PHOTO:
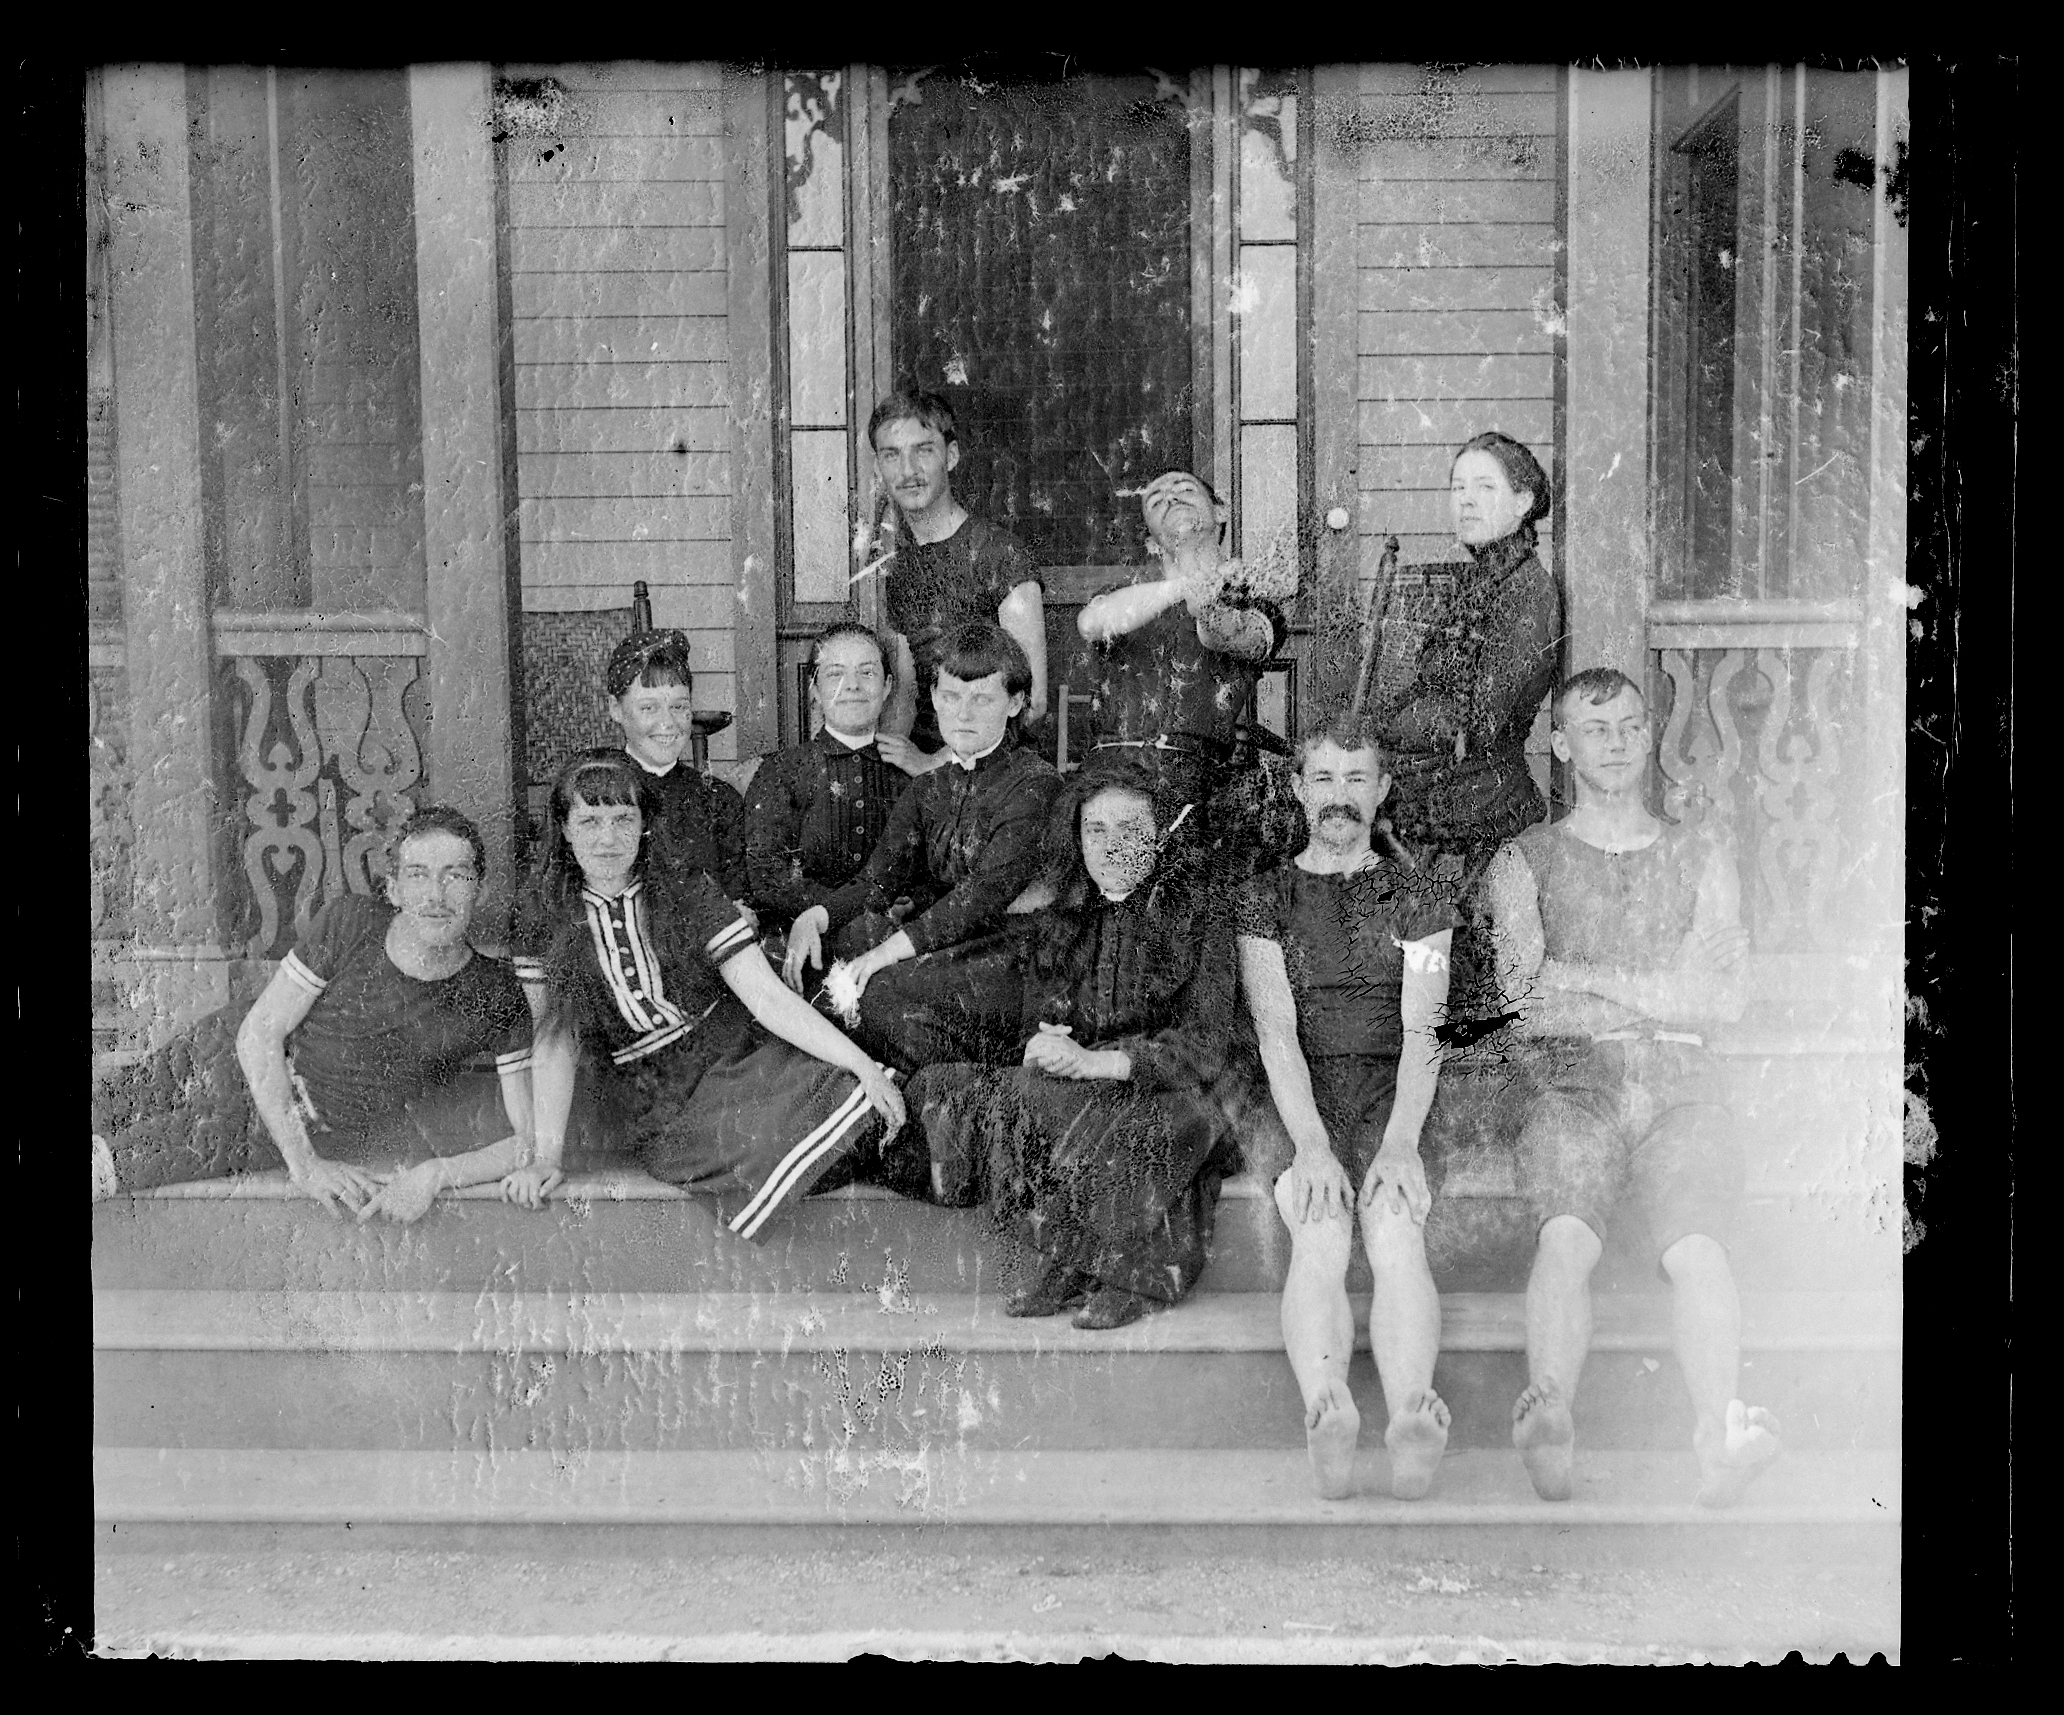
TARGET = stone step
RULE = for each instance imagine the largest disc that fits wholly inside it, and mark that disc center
(621, 1231)
(1821, 1504)
(421, 1371)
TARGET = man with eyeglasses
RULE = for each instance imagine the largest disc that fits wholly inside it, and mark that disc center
(350, 1070)
(817, 809)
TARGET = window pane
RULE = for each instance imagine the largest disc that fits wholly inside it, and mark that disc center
(1042, 282)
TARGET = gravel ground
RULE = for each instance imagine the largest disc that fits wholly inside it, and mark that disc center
(392, 1602)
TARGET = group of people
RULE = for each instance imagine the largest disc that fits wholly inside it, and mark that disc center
(916, 955)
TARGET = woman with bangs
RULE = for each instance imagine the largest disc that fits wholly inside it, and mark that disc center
(730, 1084)
(1103, 1149)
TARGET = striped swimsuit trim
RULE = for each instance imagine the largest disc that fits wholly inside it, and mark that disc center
(796, 1164)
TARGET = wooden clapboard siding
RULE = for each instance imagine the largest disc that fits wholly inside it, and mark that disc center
(619, 300)
(1458, 326)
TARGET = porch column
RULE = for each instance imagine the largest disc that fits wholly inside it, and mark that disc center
(470, 753)
(182, 968)
(1605, 503)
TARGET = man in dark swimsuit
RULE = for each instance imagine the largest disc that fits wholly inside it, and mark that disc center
(1344, 961)
(355, 1054)
(1619, 943)
(944, 567)
(1179, 653)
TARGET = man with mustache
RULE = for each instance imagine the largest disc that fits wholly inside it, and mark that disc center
(1344, 962)
(945, 567)
(1619, 945)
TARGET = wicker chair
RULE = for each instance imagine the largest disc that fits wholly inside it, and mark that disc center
(566, 703)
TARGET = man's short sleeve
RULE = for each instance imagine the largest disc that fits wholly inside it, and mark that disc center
(339, 930)
(1419, 910)
(1257, 910)
(508, 1020)
(530, 936)
(1004, 564)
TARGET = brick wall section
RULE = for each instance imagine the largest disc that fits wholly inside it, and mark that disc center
(1460, 225)
(617, 285)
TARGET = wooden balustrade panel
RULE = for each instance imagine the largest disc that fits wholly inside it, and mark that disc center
(1753, 739)
(329, 756)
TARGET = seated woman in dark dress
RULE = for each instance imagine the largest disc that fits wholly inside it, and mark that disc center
(364, 1067)
(816, 810)
(1454, 734)
(1102, 1152)
(728, 1083)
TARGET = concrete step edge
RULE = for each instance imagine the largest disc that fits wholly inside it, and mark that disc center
(943, 1487)
(212, 1320)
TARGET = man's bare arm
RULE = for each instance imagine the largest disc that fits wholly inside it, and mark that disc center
(1023, 615)
(1265, 980)
(1421, 1005)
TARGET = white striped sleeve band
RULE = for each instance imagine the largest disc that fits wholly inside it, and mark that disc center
(529, 970)
(516, 1060)
(296, 967)
(734, 937)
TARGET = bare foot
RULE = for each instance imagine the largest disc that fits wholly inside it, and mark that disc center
(1417, 1436)
(1545, 1434)
(1729, 1462)
(1331, 1426)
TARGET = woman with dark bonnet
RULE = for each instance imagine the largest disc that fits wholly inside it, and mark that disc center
(1102, 1151)
(728, 1083)
(1454, 735)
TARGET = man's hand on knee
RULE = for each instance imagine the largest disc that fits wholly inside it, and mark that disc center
(1398, 1176)
(1315, 1187)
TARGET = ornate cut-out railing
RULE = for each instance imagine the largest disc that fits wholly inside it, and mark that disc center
(1758, 701)
(328, 719)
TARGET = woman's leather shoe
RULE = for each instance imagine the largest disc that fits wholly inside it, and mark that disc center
(1112, 1307)
(1056, 1289)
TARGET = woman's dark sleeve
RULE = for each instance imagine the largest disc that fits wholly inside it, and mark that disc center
(727, 833)
(893, 866)
(1009, 860)
(1190, 1049)
(773, 832)
(1515, 670)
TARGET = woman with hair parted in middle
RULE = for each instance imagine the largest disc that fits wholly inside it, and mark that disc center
(1454, 735)
(1103, 1150)
(730, 1084)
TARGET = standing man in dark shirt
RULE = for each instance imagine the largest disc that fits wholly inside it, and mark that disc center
(946, 567)
(962, 843)
(1178, 654)
(651, 696)
(816, 810)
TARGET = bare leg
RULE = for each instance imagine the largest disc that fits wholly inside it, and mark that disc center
(1404, 1327)
(1558, 1313)
(1733, 1442)
(1318, 1333)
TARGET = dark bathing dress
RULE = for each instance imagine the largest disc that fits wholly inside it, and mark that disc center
(1117, 1179)
(710, 1098)
(1480, 680)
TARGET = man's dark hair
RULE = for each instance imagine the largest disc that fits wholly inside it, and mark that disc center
(918, 406)
(980, 647)
(1350, 729)
(437, 819)
(651, 658)
(850, 628)
(1595, 685)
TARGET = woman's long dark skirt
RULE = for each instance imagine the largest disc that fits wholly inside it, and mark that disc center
(1119, 1182)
